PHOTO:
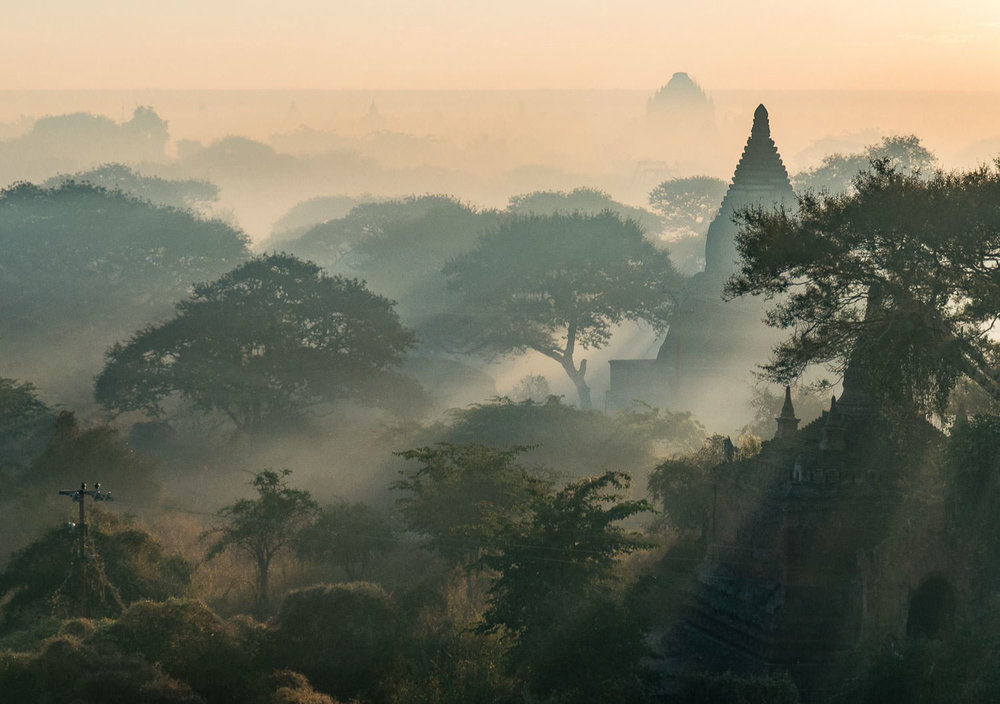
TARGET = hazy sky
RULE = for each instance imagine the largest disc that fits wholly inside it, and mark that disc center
(393, 44)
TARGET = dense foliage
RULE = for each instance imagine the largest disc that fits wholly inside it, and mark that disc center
(899, 276)
(261, 344)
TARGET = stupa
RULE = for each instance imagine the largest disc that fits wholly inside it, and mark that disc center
(713, 346)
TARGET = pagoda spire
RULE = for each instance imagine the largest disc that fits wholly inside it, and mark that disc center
(787, 422)
(760, 179)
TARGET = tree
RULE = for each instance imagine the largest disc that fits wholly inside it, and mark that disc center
(837, 172)
(23, 416)
(188, 194)
(261, 344)
(682, 485)
(263, 527)
(586, 201)
(898, 278)
(348, 535)
(552, 593)
(572, 442)
(461, 495)
(688, 204)
(82, 263)
(552, 283)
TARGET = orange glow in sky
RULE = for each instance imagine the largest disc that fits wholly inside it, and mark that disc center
(445, 44)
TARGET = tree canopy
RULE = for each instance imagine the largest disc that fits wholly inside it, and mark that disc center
(688, 204)
(899, 278)
(837, 172)
(558, 282)
(82, 263)
(260, 344)
(187, 194)
(586, 201)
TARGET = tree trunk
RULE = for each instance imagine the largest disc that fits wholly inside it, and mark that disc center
(263, 567)
(577, 376)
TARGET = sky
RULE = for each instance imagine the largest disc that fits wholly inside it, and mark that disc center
(499, 44)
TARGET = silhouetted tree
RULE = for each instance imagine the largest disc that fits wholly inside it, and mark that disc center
(261, 344)
(900, 276)
(554, 283)
(264, 526)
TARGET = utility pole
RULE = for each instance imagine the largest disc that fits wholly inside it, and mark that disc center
(80, 495)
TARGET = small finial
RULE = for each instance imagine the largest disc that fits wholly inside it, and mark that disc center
(761, 126)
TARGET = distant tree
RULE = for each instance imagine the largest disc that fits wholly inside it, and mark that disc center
(80, 247)
(82, 263)
(187, 194)
(837, 172)
(74, 453)
(586, 201)
(23, 418)
(899, 277)
(385, 222)
(132, 563)
(688, 204)
(570, 441)
(461, 495)
(404, 257)
(261, 344)
(347, 535)
(264, 526)
(311, 213)
(552, 283)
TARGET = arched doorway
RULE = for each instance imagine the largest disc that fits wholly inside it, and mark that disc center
(932, 609)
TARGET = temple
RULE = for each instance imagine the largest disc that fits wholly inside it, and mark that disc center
(712, 347)
(813, 546)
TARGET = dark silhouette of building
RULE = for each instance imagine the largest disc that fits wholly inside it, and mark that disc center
(813, 545)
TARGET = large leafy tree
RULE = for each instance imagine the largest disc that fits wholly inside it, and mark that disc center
(264, 526)
(555, 283)
(900, 278)
(260, 344)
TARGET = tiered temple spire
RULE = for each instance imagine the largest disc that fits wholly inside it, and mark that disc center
(760, 179)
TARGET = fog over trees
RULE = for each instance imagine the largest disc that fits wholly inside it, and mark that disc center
(317, 396)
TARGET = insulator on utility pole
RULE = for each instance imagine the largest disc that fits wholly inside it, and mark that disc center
(79, 495)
